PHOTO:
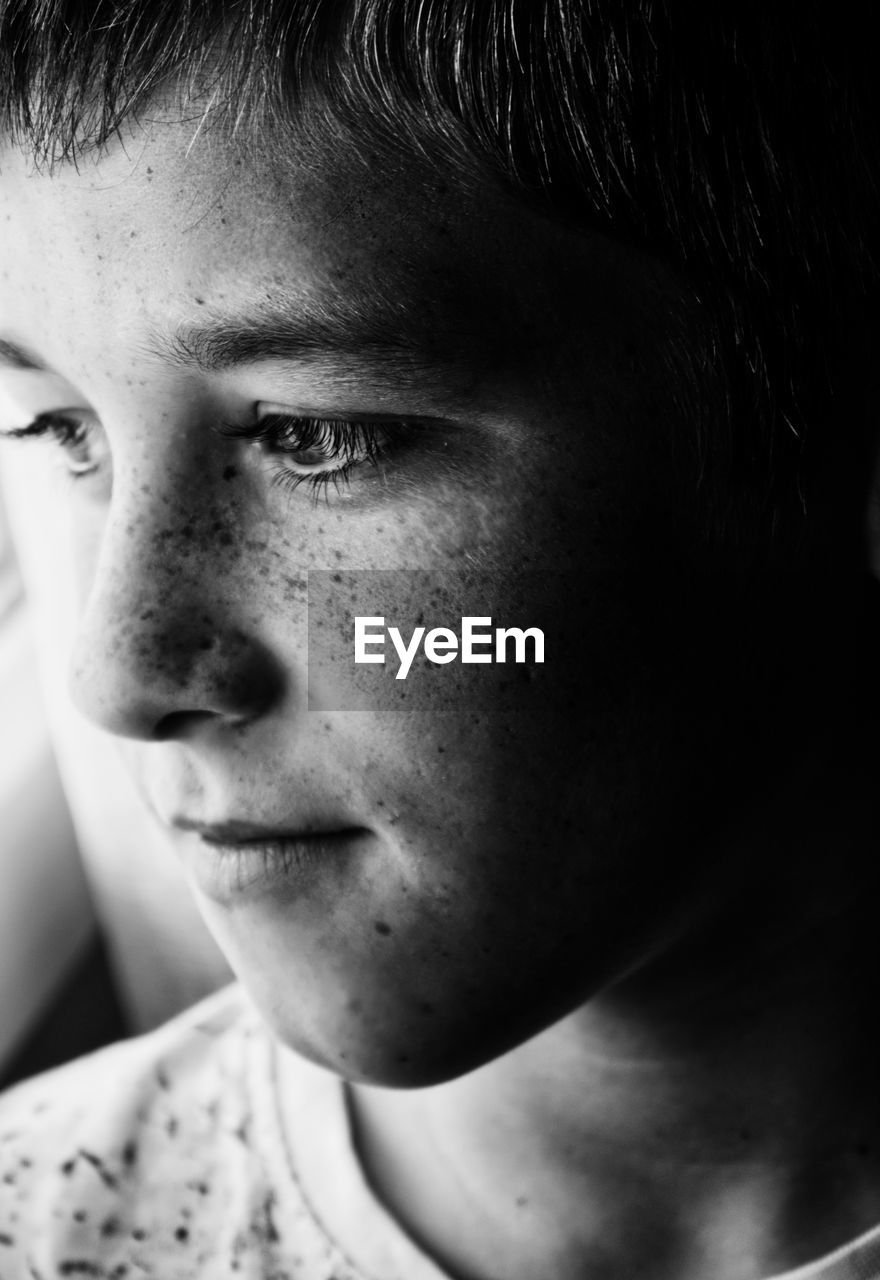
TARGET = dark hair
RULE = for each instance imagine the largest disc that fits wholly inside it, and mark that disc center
(735, 139)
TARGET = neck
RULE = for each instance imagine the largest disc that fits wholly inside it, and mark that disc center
(713, 1113)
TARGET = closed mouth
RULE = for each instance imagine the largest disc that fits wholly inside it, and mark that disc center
(232, 861)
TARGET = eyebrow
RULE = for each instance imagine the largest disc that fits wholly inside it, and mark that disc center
(267, 332)
(392, 337)
(14, 357)
(252, 337)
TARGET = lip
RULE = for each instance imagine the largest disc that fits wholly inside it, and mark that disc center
(232, 861)
(241, 831)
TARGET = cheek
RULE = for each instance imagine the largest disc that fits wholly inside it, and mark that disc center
(620, 748)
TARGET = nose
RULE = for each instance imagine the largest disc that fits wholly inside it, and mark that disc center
(161, 647)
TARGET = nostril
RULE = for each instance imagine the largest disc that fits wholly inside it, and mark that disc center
(166, 676)
(161, 647)
(179, 725)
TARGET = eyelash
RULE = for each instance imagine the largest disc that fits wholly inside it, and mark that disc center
(67, 432)
(353, 442)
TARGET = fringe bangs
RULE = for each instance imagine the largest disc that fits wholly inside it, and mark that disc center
(736, 141)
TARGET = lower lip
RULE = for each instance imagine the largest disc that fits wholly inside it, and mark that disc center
(231, 873)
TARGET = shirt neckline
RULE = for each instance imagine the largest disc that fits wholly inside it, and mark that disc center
(316, 1160)
(316, 1149)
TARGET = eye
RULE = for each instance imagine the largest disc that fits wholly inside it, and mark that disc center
(314, 446)
(77, 434)
(319, 451)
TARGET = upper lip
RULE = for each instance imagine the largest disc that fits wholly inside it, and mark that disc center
(235, 831)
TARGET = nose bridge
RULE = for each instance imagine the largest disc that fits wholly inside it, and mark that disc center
(164, 634)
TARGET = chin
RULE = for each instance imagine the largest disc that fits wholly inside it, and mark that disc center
(382, 1042)
(388, 1061)
(396, 1012)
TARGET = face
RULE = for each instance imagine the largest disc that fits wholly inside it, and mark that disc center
(259, 378)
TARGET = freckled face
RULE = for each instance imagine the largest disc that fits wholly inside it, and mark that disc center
(513, 844)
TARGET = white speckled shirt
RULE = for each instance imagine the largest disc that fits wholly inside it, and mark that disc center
(178, 1156)
(166, 1156)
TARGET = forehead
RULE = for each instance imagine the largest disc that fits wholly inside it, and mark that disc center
(173, 223)
(167, 223)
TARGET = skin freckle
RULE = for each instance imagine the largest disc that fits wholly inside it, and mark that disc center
(524, 444)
